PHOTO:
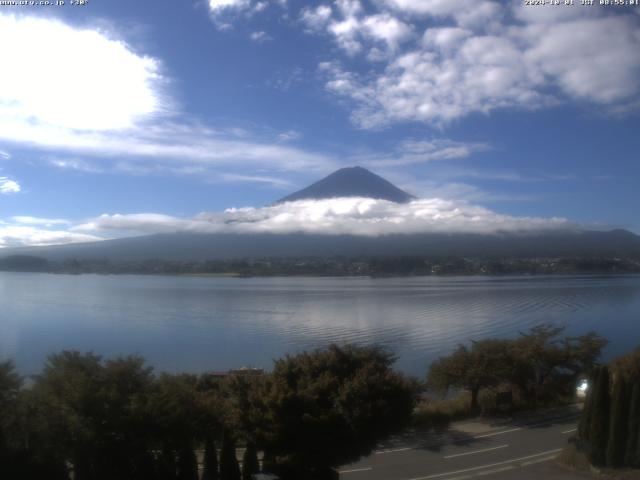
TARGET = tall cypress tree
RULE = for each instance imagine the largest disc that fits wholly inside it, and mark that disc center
(229, 468)
(269, 464)
(631, 458)
(636, 459)
(250, 465)
(599, 428)
(187, 464)
(166, 463)
(618, 424)
(585, 419)
(210, 471)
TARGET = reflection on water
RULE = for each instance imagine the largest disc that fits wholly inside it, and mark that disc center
(197, 324)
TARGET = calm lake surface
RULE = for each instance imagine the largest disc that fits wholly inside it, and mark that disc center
(198, 324)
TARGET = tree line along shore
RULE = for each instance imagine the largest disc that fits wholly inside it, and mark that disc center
(392, 265)
(84, 417)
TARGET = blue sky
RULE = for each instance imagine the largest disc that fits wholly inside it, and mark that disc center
(122, 118)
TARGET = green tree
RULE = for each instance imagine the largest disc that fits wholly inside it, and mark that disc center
(617, 441)
(229, 468)
(548, 365)
(329, 407)
(10, 384)
(599, 428)
(210, 470)
(98, 413)
(487, 363)
(242, 405)
(583, 352)
(631, 457)
(250, 464)
(541, 351)
(178, 411)
(70, 387)
(123, 433)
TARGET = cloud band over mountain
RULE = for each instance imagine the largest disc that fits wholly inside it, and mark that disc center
(336, 216)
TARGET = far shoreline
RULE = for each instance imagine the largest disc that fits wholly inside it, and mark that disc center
(238, 275)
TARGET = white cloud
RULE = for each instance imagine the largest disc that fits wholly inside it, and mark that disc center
(259, 36)
(387, 28)
(604, 75)
(103, 109)
(496, 55)
(264, 179)
(289, 135)
(445, 38)
(48, 222)
(225, 13)
(458, 191)
(73, 164)
(355, 216)
(355, 28)
(478, 60)
(459, 10)
(349, 8)
(136, 222)
(8, 186)
(23, 236)
(4, 155)
(483, 74)
(346, 33)
(91, 81)
(429, 7)
(316, 18)
(163, 148)
(411, 152)
(216, 6)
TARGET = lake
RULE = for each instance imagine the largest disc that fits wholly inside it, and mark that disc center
(207, 323)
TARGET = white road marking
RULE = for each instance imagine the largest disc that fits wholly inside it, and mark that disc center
(570, 431)
(540, 460)
(495, 470)
(354, 470)
(552, 420)
(477, 451)
(380, 452)
(483, 467)
(498, 433)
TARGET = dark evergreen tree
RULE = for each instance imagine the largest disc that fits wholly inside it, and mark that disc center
(617, 442)
(250, 465)
(631, 458)
(166, 462)
(636, 459)
(187, 464)
(210, 467)
(599, 428)
(229, 468)
(585, 419)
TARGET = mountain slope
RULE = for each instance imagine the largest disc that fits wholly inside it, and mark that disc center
(347, 182)
(199, 247)
(351, 182)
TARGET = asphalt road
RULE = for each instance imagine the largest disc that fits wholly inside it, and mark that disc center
(508, 449)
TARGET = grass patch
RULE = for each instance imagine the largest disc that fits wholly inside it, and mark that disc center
(574, 459)
(439, 413)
